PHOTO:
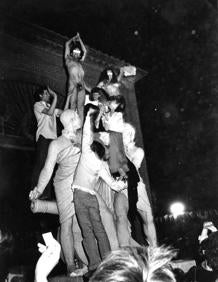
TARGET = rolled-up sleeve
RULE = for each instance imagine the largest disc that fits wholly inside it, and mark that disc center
(38, 108)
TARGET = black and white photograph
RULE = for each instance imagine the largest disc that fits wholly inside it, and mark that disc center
(109, 140)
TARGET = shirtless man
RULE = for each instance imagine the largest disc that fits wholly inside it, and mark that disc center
(75, 54)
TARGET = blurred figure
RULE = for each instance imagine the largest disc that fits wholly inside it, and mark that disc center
(49, 258)
(6, 248)
(207, 271)
(136, 265)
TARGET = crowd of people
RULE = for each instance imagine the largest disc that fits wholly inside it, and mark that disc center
(98, 187)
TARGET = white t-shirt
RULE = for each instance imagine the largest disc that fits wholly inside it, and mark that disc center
(46, 124)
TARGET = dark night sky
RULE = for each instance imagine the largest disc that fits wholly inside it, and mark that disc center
(176, 43)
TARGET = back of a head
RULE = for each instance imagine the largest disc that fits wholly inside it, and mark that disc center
(70, 117)
(121, 101)
(136, 265)
(98, 148)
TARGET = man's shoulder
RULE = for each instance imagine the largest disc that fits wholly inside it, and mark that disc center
(39, 104)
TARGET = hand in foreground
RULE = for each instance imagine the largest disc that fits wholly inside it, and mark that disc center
(47, 261)
(34, 194)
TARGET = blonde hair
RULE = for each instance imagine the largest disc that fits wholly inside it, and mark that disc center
(137, 264)
(71, 123)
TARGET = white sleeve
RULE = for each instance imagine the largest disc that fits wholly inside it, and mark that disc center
(38, 108)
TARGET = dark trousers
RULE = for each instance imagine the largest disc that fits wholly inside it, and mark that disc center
(88, 215)
(42, 145)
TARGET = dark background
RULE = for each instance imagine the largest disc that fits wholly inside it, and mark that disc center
(176, 41)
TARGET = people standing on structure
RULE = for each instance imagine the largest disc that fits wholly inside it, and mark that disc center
(45, 112)
(136, 155)
(64, 151)
(91, 166)
(75, 54)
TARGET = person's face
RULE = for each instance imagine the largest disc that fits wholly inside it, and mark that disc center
(76, 123)
(110, 74)
(114, 105)
(76, 54)
(45, 96)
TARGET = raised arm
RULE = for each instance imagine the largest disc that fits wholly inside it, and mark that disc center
(82, 46)
(67, 48)
(46, 172)
(87, 135)
(51, 110)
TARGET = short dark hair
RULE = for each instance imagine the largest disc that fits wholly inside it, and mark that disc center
(103, 94)
(98, 148)
(39, 92)
(89, 106)
(76, 45)
(121, 101)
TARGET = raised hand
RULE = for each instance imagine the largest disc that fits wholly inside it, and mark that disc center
(48, 259)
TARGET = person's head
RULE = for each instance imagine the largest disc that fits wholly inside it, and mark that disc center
(117, 103)
(128, 134)
(98, 94)
(108, 74)
(136, 264)
(209, 248)
(76, 51)
(99, 149)
(42, 94)
(93, 107)
(70, 121)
